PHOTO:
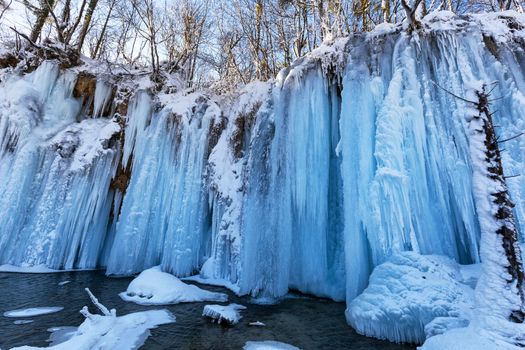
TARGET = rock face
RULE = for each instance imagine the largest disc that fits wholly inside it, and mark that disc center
(308, 182)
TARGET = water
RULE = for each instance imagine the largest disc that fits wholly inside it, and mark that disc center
(309, 323)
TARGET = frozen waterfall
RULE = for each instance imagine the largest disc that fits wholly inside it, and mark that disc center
(308, 182)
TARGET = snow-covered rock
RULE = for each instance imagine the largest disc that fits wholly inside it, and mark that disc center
(154, 287)
(408, 292)
(109, 332)
(229, 314)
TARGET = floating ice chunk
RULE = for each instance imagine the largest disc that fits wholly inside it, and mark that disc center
(33, 311)
(256, 324)
(107, 331)
(268, 345)
(154, 287)
(229, 314)
(63, 283)
(408, 292)
(23, 321)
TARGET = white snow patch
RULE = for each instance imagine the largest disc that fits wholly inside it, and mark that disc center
(224, 313)
(268, 345)
(33, 311)
(63, 283)
(256, 324)
(154, 287)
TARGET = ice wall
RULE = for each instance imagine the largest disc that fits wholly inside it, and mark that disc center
(54, 192)
(356, 152)
(163, 218)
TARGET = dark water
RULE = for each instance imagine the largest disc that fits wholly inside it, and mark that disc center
(308, 323)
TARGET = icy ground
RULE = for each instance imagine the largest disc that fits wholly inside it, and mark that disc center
(154, 287)
(109, 332)
(229, 314)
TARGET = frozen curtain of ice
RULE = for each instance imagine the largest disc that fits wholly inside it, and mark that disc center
(308, 182)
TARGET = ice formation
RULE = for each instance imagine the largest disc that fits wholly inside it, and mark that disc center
(33, 311)
(410, 297)
(154, 287)
(229, 314)
(354, 153)
(108, 332)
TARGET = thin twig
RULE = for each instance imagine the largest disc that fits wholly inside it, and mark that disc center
(453, 94)
(25, 37)
(512, 138)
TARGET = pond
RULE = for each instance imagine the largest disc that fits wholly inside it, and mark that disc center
(302, 321)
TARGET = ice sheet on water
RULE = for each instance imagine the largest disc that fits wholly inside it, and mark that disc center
(154, 287)
(268, 345)
(33, 311)
(23, 321)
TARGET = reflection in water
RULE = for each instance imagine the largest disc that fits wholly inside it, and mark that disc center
(308, 323)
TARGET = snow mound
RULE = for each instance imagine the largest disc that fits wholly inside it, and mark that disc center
(229, 314)
(107, 331)
(33, 311)
(268, 345)
(408, 292)
(154, 287)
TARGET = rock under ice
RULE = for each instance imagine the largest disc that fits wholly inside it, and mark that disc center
(154, 287)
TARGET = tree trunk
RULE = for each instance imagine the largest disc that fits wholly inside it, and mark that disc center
(500, 289)
(41, 18)
(87, 22)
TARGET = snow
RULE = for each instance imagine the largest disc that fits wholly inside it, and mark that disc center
(154, 287)
(468, 338)
(107, 331)
(229, 314)
(63, 283)
(33, 311)
(408, 292)
(268, 345)
(256, 324)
